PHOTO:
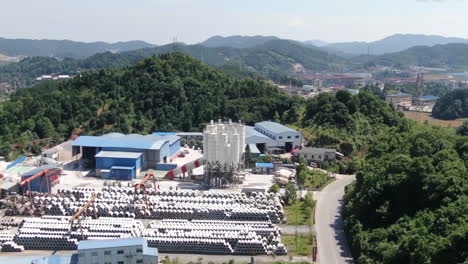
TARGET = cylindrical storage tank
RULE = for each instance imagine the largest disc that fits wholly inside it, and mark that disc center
(241, 131)
(212, 143)
(221, 148)
(235, 157)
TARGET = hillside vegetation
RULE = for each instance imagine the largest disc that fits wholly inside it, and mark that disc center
(392, 44)
(454, 56)
(452, 105)
(168, 93)
(64, 48)
(239, 42)
(272, 59)
(410, 198)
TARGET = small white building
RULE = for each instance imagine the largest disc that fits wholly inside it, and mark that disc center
(316, 154)
(116, 251)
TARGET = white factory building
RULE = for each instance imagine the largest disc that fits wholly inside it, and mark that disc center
(271, 136)
(116, 251)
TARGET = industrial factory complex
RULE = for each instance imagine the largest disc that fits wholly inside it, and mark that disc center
(149, 194)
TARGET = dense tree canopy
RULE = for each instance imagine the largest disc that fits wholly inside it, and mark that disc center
(409, 203)
(167, 93)
(453, 105)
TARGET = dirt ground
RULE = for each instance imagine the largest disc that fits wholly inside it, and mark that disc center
(421, 117)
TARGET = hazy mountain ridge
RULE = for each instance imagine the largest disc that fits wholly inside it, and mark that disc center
(64, 48)
(273, 57)
(454, 56)
(239, 42)
(394, 43)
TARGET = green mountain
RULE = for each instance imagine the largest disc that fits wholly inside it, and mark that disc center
(239, 42)
(453, 56)
(64, 48)
(167, 93)
(391, 44)
(271, 59)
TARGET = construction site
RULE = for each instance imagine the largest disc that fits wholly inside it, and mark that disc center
(180, 199)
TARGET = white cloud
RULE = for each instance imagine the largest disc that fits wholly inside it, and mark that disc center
(296, 21)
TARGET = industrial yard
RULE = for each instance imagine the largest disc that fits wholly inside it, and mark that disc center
(180, 199)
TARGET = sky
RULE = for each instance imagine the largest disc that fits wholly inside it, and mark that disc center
(192, 21)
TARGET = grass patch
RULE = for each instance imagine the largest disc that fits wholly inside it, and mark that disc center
(314, 179)
(422, 117)
(300, 244)
(300, 213)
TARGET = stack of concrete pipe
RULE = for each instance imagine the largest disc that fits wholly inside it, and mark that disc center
(11, 246)
(237, 237)
(169, 236)
(7, 244)
(120, 202)
(53, 232)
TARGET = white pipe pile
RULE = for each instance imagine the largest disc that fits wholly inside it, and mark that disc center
(120, 202)
(53, 233)
(231, 237)
(169, 236)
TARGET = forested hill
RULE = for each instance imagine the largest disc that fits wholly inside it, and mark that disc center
(167, 93)
(64, 48)
(269, 59)
(452, 105)
(450, 55)
(239, 42)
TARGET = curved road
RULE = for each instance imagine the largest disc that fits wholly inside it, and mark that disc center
(331, 240)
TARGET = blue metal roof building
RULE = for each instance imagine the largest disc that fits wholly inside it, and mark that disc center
(428, 98)
(125, 155)
(400, 95)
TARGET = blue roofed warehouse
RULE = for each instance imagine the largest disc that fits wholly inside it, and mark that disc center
(119, 156)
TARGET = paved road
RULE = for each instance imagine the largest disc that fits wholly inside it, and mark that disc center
(331, 240)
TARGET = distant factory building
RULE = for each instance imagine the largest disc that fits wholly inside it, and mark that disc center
(316, 154)
(427, 100)
(122, 157)
(399, 99)
(271, 136)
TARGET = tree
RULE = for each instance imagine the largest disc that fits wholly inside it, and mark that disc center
(463, 129)
(291, 194)
(274, 188)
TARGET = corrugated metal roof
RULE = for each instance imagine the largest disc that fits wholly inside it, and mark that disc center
(428, 97)
(251, 132)
(38, 170)
(164, 133)
(118, 154)
(133, 141)
(55, 259)
(274, 127)
(253, 149)
(400, 95)
(121, 168)
(264, 165)
(315, 150)
(110, 243)
(189, 134)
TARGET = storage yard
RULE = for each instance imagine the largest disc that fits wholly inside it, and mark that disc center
(118, 186)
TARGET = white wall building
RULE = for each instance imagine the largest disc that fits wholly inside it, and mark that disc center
(270, 135)
(116, 251)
